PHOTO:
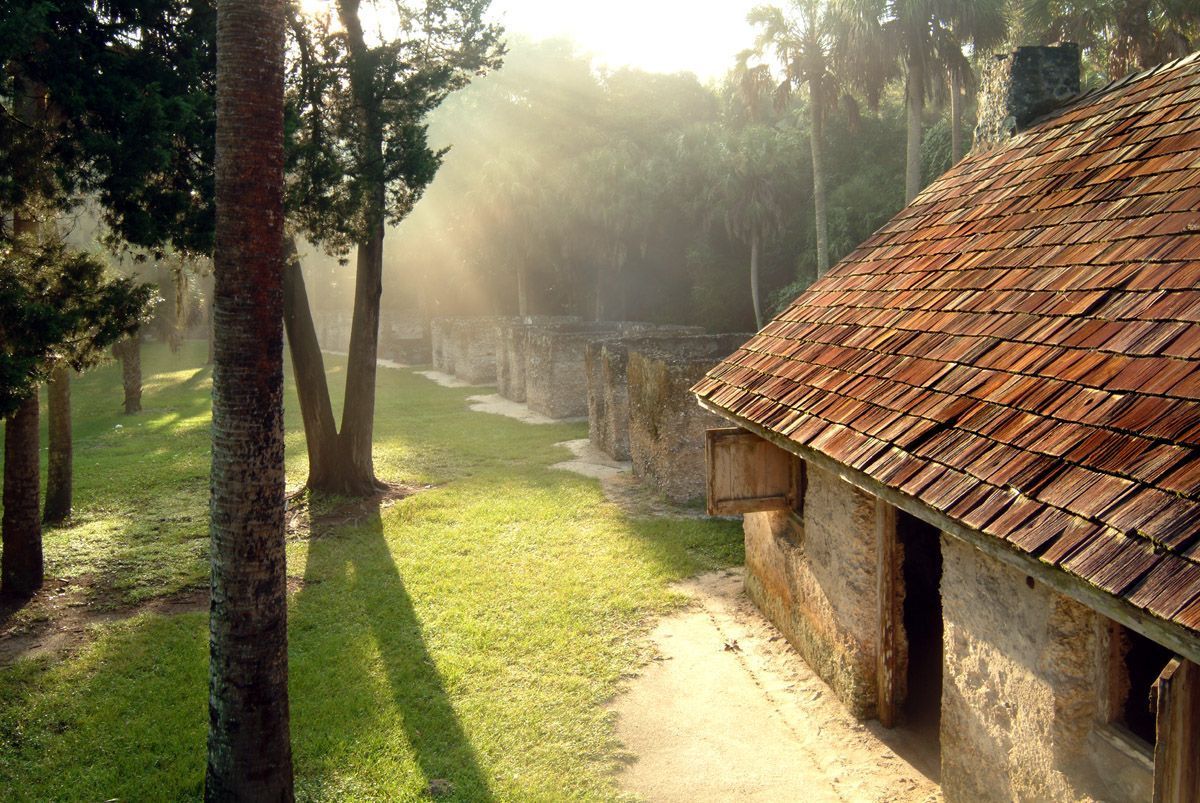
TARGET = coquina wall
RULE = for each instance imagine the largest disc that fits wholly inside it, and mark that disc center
(511, 337)
(814, 576)
(556, 365)
(666, 425)
(470, 349)
(1022, 691)
(608, 387)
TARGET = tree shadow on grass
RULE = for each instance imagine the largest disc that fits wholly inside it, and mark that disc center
(351, 576)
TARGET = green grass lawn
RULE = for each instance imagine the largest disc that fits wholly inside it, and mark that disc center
(471, 632)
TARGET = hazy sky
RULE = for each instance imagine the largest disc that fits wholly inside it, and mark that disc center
(701, 36)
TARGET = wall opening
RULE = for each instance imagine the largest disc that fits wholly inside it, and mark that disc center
(1135, 665)
(922, 573)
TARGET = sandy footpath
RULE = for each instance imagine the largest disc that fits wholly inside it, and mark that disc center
(728, 711)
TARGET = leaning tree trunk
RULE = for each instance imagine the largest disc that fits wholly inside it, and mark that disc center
(754, 294)
(914, 104)
(58, 473)
(320, 431)
(956, 143)
(816, 103)
(21, 571)
(249, 750)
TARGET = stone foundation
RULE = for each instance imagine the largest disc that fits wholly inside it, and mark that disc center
(666, 425)
(814, 576)
(608, 387)
(556, 365)
(511, 337)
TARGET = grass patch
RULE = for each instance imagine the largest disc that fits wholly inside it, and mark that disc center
(471, 632)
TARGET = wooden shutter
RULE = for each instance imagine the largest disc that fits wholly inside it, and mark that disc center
(1177, 742)
(747, 474)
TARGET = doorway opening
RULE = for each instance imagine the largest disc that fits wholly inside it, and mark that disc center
(921, 568)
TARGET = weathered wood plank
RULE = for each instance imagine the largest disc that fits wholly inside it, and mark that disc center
(885, 546)
(1177, 745)
(746, 474)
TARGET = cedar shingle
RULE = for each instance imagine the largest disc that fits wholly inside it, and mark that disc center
(1020, 346)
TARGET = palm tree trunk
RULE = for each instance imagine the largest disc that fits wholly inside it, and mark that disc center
(249, 750)
(320, 431)
(21, 571)
(914, 105)
(758, 318)
(58, 473)
(956, 143)
(818, 164)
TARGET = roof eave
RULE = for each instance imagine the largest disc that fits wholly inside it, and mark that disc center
(1182, 640)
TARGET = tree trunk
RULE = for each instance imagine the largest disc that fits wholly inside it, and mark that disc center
(249, 751)
(358, 410)
(956, 143)
(599, 310)
(21, 570)
(320, 430)
(129, 352)
(357, 474)
(758, 318)
(914, 105)
(58, 475)
(523, 288)
(818, 163)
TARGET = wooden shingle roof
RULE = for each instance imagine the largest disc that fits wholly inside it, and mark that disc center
(1019, 348)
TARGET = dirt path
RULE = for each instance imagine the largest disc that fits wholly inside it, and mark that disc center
(728, 711)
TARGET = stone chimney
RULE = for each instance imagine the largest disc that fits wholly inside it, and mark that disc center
(1019, 87)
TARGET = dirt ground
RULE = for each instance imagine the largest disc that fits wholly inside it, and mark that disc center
(728, 711)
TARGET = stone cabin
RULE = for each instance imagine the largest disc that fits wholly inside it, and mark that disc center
(969, 456)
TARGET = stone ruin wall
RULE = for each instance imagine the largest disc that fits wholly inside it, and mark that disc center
(511, 337)
(814, 576)
(608, 387)
(556, 365)
(666, 425)
(402, 336)
(470, 348)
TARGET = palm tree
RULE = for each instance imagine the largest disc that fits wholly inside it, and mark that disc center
(804, 45)
(1117, 37)
(249, 750)
(916, 35)
(744, 193)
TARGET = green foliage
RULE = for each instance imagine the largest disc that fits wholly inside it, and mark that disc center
(56, 306)
(1117, 36)
(470, 632)
(344, 94)
(115, 101)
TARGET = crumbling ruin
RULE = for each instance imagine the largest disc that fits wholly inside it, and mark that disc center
(608, 387)
(511, 335)
(666, 427)
(556, 364)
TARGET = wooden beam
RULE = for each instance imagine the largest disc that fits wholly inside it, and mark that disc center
(1183, 641)
(885, 657)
